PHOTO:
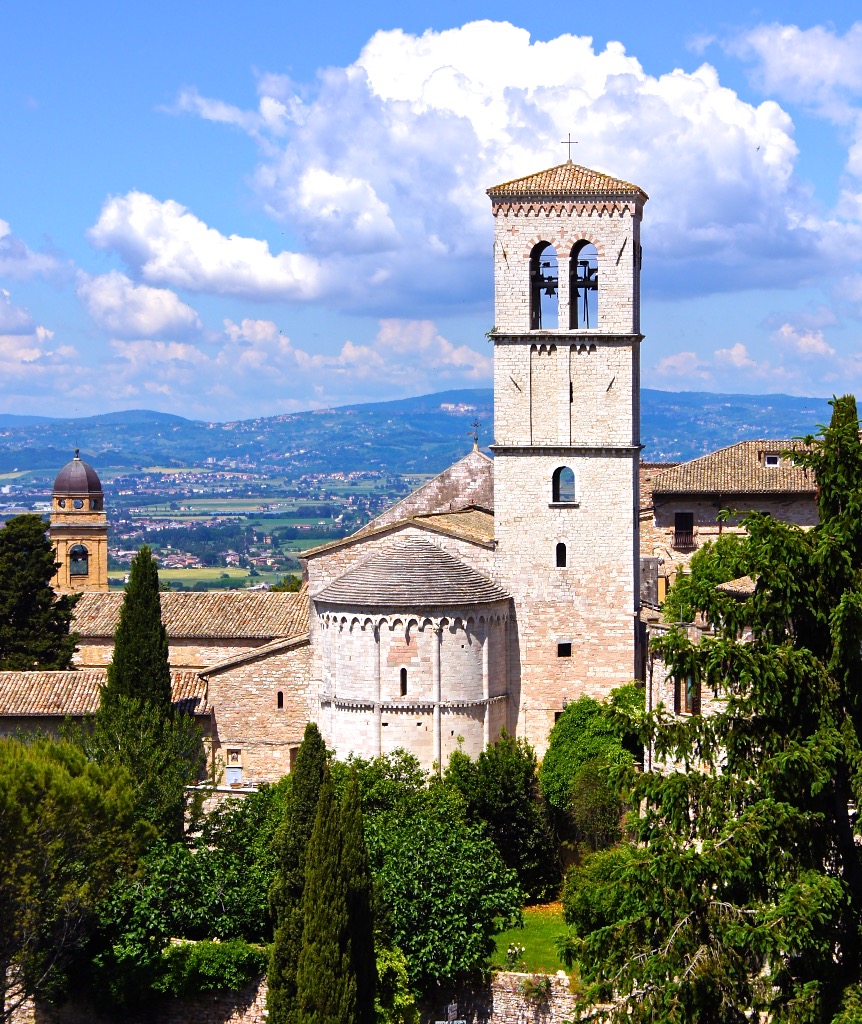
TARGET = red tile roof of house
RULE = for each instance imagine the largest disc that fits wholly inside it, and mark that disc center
(738, 469)
(56, 693)
(233, 614)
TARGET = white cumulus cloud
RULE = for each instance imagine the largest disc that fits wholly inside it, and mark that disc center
(135, 310)
(387, 161)
(17, 260)
(168, 245)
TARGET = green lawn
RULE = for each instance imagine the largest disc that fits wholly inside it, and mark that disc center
(188, 577)
(542, 925)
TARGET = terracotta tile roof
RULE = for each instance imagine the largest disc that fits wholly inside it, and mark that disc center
(77, 693)
(470, 523)
(564, 180)
(742, 587)
(738, 469)
(234, 614)
(256, 653)
(413, 573)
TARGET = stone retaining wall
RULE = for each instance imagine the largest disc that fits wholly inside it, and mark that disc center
(501, 1001)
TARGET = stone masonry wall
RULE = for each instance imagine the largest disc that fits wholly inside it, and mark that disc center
(499, 1001)
(612, 227)
(590, 602)
(191, 654)
(246, 715)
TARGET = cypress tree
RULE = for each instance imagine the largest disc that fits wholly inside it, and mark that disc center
(34, 622)
(325, 980)
(140, 668)
(285, 896)
(357, 879)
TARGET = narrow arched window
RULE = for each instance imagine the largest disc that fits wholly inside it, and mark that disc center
(79, 560)
(544, 284)
(584, 286)
(403, 682)
(561, 556)
(279, 700)
(563, 486)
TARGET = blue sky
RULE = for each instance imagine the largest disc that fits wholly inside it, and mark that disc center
(230, 210)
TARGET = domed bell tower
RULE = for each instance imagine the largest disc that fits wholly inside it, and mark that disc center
(79, 529)
(567, 260)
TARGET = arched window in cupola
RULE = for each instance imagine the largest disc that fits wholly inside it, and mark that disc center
(584, 286)
(544, 284)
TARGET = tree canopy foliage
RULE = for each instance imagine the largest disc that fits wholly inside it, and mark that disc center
(743, 896)
(68, 831)
(286, 891)
(718, 561)
(501, 788)
(140, 668)
(34, 623)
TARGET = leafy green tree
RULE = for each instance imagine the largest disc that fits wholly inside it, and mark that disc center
(325, 979)
(743, 897)
(140, 668)
(588, 745)
(34, 623)
(716, 562)
(285, 894)
(356, 871)
(290, 584)
(162, 753)
(394, 1002)
(501, 788)
(444, 886)
(68, 830)
(213, 886)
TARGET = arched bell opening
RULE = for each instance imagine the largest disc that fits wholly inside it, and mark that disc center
(584, 286)
(544, 285)
(79, 561)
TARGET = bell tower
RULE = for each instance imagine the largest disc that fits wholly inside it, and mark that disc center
(567, 260)
(79, 529)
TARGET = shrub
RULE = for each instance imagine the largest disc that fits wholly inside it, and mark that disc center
(210, 966)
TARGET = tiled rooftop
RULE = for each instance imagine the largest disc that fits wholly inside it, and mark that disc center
(471, 523)
(77, 693)
(413, 573)
(738, 469)
(564, 180)
(233, 614)
(742, 587)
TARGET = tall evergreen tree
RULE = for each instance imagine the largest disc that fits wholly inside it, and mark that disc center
(357, 879)
(285, 897)
(34, 623)
(325, 978)
(743, 898)
(140, 666)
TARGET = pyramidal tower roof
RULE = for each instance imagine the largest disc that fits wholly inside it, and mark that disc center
(564, 180)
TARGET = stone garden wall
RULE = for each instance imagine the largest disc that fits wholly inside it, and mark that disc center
(501, 1001)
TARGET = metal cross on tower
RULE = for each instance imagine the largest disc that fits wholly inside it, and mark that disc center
(569, 142)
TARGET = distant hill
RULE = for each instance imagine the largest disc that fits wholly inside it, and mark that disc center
(409, 435)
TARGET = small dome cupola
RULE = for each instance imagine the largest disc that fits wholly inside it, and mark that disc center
(78, 488)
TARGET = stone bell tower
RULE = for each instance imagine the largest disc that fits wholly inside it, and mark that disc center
(567, 261)
(79, 529)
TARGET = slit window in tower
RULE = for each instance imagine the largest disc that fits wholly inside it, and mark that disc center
(403, 682)
(584, 286)
(561, 556)
(280, 700)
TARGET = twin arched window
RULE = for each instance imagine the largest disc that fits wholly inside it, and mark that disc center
(583, 287)
(79, 560)
(563, 490)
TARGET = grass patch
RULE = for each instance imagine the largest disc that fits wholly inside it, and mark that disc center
(542, 925)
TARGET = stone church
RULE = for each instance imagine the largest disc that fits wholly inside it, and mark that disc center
(490, 597)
